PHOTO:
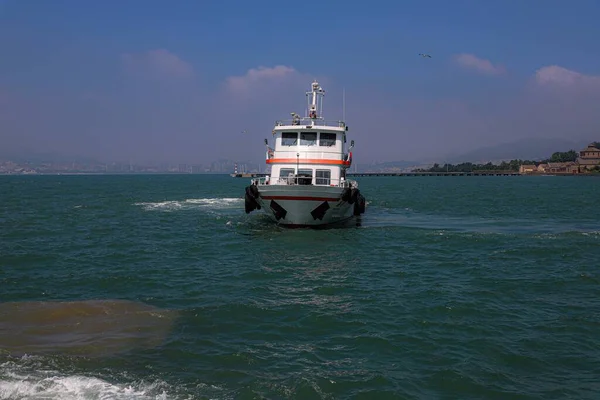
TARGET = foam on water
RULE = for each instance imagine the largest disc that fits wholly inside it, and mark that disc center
(382, 217)
(174, 205)
(73, 387)
(45, 378)
(18, 380)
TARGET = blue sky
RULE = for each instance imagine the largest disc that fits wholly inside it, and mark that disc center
(178, 82)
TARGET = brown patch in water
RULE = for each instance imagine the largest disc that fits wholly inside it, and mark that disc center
(86, 328)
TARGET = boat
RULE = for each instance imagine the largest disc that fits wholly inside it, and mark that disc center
(307, 185)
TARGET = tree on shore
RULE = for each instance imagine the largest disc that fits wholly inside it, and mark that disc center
(566, 156)
(512, 165)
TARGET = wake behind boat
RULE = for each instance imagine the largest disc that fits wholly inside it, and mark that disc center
(308, 185)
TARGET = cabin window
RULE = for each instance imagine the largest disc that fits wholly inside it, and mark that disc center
(308, 138)
(305, 172)
(323, 177)
(305, 176)
(285, 172)
(289, 138)
(327, 139)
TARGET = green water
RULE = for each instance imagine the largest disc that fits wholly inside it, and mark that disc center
(152, 287)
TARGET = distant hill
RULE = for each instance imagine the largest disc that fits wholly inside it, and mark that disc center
(524, 149)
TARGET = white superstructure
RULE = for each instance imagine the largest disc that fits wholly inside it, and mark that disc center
(307, 185)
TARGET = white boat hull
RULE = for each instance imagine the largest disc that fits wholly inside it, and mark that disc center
(304, 206)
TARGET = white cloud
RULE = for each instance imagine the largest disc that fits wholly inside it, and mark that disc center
(260, 75)
(157, 63)
(559, 76)
(277, 88)
(470, 61)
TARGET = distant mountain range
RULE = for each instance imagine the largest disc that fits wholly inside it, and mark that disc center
(41, 157)
(524, 149)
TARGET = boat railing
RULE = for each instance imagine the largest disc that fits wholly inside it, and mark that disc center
(301, 181)
(310, 122)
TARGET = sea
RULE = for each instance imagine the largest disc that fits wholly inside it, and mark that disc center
(162, 287)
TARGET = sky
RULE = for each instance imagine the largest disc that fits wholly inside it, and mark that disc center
(196, 81)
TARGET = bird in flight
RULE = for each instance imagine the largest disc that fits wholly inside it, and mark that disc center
(424, 55)
(244, 131)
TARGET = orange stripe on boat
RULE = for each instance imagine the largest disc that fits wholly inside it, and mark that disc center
(306, 161)
(299, 198)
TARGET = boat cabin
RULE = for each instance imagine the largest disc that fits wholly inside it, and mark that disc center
(309, 150)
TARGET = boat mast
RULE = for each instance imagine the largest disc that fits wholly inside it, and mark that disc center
(344, 105)
(315, 104)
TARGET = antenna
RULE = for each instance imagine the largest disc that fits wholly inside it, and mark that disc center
(315, 106)
(344, 104)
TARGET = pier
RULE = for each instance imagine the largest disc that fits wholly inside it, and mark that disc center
(472, 173)
(248, 175)
(365, 174)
